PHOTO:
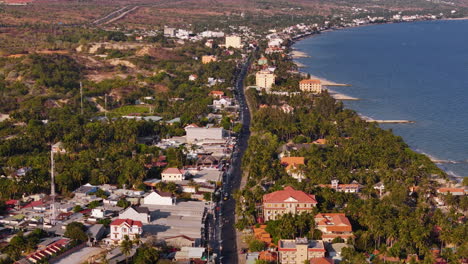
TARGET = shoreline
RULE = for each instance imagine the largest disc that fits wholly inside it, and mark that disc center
(451, 176)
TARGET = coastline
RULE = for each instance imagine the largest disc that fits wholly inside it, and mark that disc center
(452, 176)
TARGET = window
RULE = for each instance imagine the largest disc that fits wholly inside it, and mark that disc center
(124, 230)
(115, 229)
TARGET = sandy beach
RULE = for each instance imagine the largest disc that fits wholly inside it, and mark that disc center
(298, 54)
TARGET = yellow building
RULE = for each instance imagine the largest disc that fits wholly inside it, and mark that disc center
(264, 79)
(311, 86)
(208, 58)
(299, 250)
(234, 41)
(285, 201)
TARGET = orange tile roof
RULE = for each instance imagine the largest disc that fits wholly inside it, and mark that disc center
(446, 189)
(292, 160)
(320, 141)
(216, 93)
(289, 192)
(310, 81)
(334, 222)
(173, 171)
(267, 255)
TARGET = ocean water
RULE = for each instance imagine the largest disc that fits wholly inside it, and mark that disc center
(410, 71)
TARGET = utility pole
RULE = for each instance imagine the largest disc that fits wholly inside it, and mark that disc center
(105, 105)
(52, 185)
(81, 96)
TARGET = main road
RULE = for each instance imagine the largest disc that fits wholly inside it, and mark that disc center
(227, 219)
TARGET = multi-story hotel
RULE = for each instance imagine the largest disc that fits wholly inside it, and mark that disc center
(311, 86)
(299, 250)
(286, 201)
(264, 79)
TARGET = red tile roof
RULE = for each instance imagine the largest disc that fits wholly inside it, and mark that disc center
(173, 171)
(34, 204)
(129, 222)
(281, 196)
(321, 261)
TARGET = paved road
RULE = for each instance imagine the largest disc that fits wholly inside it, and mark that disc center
(229, 251)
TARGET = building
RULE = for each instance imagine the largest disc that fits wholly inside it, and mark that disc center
(333, 225)
(234, 42)
(293, 166)
(120, 228)
(453, 191)
(169, 32)
(216, 94)
(180, 241)
(197, 134)
(286, 201)
(222, 103)
(262, 61)
(58, 148)
(311, 86)
(159, 198)
(264, 79)
(172, 174)
(141, 214)
(299, 250)
(353, 187)
(208, 58)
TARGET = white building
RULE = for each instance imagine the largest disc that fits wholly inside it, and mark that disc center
(222, 103)
(169, 32)
(264, 79)
(159, 198)
(120, 228)
(234, 42)
(196, 134)
(172, 174)
(141, 214)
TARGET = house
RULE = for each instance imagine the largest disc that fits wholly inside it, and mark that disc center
(333, 225)
(47, 251)
(234, 42)
(299, 250)
(222, 103)
(286, 149)
(190, 254)
(120, 228)
(311, 86)
(216, 94)
(179, 241)
(285, 201)
(335, 250)
(58, 148)
(85, 190)
(192, 77)
(264, 79)
(380, 187)
(452, 191)
(159, 198)
(293, 166)
(172, 174)
(98, 213)
(261, 234)
(353, 187)
(141, 214)
(208, 59)
(96, 233)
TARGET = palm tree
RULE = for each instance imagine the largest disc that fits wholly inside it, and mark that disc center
(126, 247)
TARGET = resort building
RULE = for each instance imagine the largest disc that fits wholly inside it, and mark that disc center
(264, 79)
(299, 250)
(216, 94)
(208, 58)
(311, 86)
(286, 201)
(453, 191)
(333, 225)
(234, 42)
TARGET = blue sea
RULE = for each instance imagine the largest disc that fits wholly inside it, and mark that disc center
(410, 71)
